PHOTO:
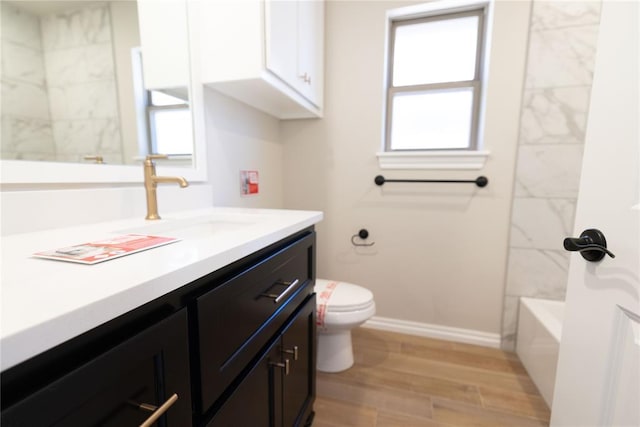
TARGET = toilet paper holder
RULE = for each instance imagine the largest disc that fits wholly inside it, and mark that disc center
(363, 234)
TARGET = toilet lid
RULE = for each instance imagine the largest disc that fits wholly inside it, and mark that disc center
(342, 296)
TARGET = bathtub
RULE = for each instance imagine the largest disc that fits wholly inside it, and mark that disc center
(538, 341)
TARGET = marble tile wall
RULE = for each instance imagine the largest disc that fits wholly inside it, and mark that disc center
(26, 122)
(58, 85)
(562, 45)
(80, 74)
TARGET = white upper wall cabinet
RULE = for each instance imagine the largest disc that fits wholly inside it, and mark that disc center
(268, 54)
(164, 44)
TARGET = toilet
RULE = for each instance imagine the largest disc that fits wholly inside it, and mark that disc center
(340, 307)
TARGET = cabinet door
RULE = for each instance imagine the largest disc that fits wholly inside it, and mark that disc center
(122, 387)
(164, 39)
(253, 402)
(280, 388)
(281, 34)
(299, 347)
(310, 50)
(295, 45)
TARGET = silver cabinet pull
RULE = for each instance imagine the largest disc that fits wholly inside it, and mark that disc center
(145, 406)
(159, 411)
(278, 298)
(294, 351)
(285, 366)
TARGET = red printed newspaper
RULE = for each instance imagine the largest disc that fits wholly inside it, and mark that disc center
(104, 250)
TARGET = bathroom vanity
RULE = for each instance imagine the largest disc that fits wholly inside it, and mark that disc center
(217, 329)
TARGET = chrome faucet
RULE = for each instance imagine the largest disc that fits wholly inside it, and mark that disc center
(151, 182)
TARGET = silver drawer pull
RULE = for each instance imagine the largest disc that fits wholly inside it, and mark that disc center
(160, 411)
(278, 298)
(148, 407)
(285, 366)
(294, 352)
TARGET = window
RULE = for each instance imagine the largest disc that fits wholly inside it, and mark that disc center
(169, 123)
(164, 118)
(435, 65)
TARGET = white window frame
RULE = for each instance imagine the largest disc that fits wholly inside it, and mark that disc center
(472, 158)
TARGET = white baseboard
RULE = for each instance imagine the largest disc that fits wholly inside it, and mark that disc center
(448, 333)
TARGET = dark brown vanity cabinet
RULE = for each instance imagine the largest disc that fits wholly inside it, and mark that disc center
(144, 378)
(251, 329)
(234, 348)
(298, 349)
(279, 388)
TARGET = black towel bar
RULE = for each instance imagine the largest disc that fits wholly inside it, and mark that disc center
(480, 181)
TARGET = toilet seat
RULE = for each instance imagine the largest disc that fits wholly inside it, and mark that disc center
(342, 297)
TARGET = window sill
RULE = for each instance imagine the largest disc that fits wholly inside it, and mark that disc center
(454, 160)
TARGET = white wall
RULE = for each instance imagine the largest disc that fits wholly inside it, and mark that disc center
(440, 250)
(240, 137)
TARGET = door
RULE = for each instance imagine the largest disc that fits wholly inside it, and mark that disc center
(598, 376)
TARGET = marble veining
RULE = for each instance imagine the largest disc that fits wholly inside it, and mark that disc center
(26, 126)
(561, 57)
(24, 100)
(541, 223)
(558, 14)
(554, 115)
(75, 27)
(548, 171)
(22, 64)
(80, 64)
(84, 101)
(510, 322)
(26, 134)
(77, 138)
(537, 273)
(20, 27)
(82, 84)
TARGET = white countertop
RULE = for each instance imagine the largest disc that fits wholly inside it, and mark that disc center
(47, 302)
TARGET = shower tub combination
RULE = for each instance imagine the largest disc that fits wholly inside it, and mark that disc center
(538, 342)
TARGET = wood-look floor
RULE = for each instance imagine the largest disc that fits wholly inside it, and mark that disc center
(406, 381)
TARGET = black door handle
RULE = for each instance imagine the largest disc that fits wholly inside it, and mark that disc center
(591, 244)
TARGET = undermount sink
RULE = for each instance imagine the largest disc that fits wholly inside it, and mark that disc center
(192, 227)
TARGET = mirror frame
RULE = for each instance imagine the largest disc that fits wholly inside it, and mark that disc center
(36, 172)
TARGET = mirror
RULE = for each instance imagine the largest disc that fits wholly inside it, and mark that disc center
(92, 81)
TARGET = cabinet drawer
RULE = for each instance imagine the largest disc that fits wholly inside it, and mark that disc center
(237, 319)
(148, 368)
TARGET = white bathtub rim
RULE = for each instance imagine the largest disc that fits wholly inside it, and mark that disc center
(547, 312)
